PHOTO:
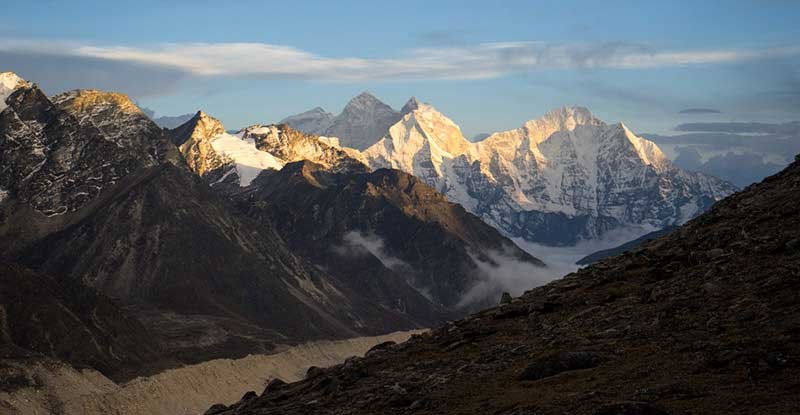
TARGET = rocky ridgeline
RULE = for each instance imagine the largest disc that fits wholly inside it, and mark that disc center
(702, 320)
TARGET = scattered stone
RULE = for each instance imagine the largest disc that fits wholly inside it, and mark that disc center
(215, 409)
(543, 307)
(314, 371)
(510, 311)
(776, 360)
(397, 389)
(630, 408)
(380, 347)
(712, 289)
(274, 385)
(419, 404)
(248, 396)
(563, 362)
(793, 246)
(505, 298)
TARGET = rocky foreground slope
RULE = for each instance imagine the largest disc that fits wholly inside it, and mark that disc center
(702, 320)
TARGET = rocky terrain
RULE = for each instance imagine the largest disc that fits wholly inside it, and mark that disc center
(627, 246)
(56, 158)
(291, 145)
(702, 320)
(97, 194)
(327, 206)
(63, 319)
(383, 232)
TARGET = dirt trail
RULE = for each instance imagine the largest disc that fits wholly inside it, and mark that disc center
(187, 390)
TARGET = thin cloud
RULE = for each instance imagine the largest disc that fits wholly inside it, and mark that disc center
(481, 61)
(699, 111)
(359, 243)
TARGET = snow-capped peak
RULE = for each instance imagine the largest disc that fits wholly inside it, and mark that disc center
(564, 170)
(9, 82)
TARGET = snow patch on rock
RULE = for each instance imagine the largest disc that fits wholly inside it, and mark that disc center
(249, 161)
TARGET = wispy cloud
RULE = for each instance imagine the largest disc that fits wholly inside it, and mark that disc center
(699, 111)
(358, 243)
(481, 61)
(788, 128)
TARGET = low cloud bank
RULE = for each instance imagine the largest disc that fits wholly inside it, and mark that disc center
(500, 271)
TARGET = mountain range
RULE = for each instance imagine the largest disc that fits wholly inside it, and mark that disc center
(196, 234)
(131, 249)
(90, 179)
(557, 180)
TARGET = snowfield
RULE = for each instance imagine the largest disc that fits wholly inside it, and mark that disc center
(249, 161)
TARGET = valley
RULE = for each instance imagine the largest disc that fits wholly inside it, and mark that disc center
(52, 387)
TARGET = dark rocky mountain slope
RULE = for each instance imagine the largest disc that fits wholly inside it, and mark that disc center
(95, 192)
(380, 231)
(64, 319)
(605, 253)
(702, 320)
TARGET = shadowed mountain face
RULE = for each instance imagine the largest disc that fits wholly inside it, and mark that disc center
(62, 318)
(702, 320)
(341, 221)
(170, 241)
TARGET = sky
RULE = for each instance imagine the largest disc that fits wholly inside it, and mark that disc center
(489, 66)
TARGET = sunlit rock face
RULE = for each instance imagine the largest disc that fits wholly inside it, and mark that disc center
(60, 154)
